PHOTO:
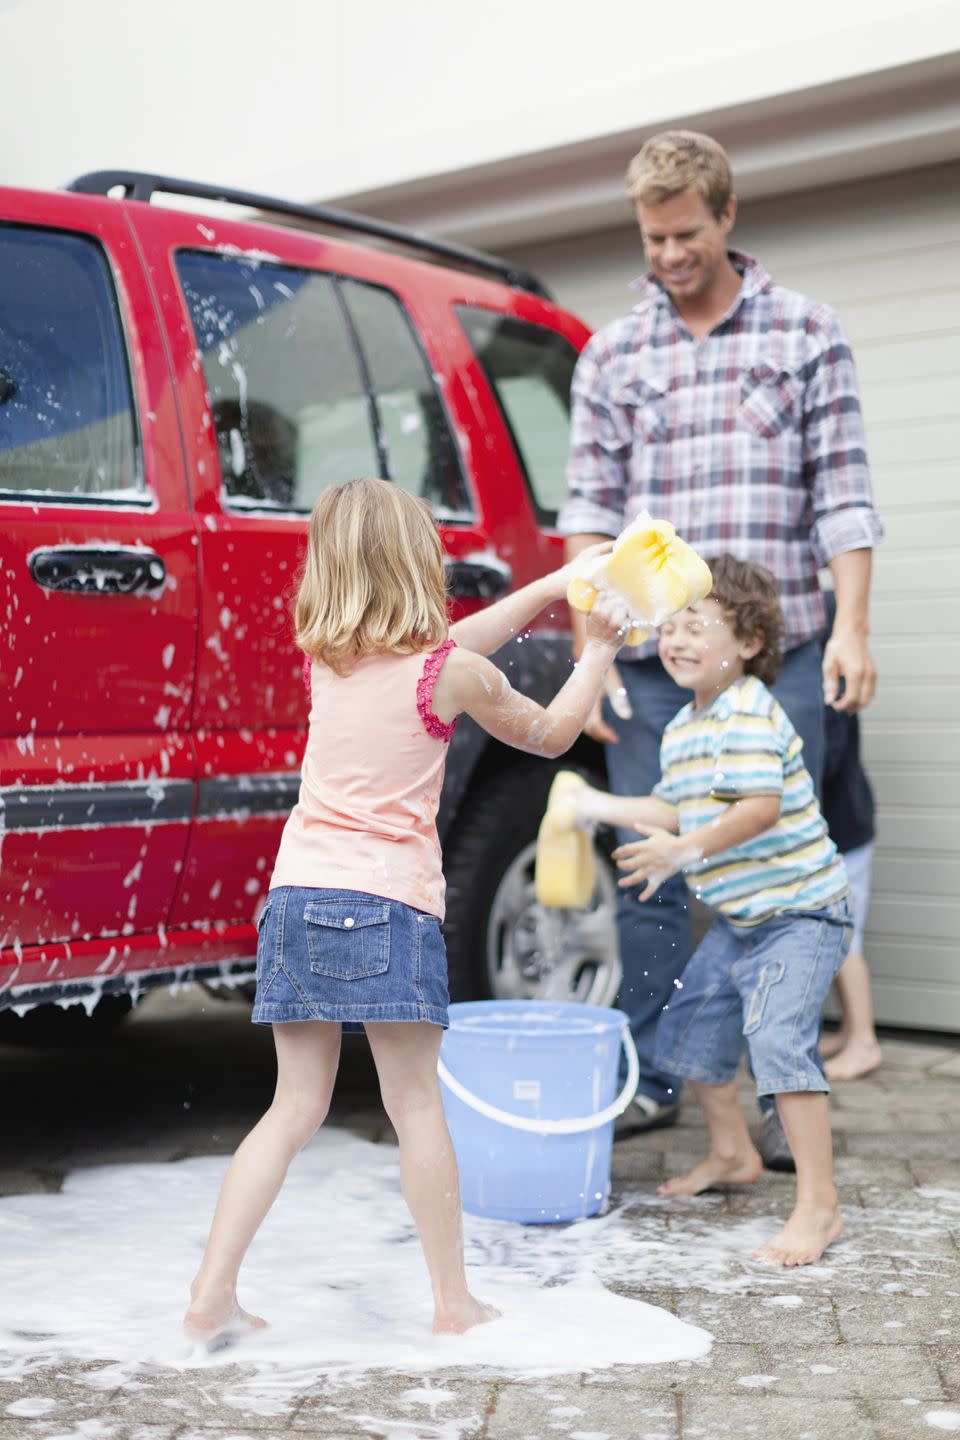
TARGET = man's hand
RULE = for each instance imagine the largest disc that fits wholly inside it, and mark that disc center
(654, 859)
(846, 655)
(596, 727)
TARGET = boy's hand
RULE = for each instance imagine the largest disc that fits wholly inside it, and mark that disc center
(654, 859)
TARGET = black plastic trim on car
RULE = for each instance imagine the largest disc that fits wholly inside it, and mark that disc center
(139, 185)
(72, 807)
(228, 796)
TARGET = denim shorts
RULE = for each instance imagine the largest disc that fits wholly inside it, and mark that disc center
(348, 956)
(763, 986)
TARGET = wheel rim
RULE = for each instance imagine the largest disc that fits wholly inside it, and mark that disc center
(539, 954)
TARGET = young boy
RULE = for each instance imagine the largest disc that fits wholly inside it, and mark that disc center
(737, 813)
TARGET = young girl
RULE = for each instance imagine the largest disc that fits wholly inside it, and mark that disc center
(350, 931)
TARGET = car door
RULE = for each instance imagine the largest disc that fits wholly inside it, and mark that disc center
(291, 402)
(97, 593)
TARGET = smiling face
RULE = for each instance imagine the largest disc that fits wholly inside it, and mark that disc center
(701, 651)
(686, 244)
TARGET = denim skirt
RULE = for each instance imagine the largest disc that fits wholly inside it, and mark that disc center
(347, 956)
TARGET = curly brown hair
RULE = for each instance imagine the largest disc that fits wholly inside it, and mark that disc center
(749, 595)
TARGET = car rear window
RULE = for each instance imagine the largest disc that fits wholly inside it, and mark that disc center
(67, 425)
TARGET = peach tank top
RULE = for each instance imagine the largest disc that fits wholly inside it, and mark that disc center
(370, 783)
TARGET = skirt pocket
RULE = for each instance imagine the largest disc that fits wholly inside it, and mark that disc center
(347, 939)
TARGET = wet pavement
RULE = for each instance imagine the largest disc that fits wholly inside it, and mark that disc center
(866, 1344)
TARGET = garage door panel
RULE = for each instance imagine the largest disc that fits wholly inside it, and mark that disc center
(928, 787)
(934, 356)
(911, 313)
(915, 1001)
(913, 571)
(921, 919)
(912, 529)
(913, 487)
(909, 829)
(930, 874)
(923, 398)
(899, 703)
(897, 745)
(909, 442)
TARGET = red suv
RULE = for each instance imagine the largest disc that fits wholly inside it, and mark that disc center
(175, 391)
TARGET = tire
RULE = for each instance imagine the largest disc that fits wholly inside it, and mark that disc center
(500, 943)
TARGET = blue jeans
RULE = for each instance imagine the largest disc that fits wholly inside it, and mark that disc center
(654, 936)
(763, 985)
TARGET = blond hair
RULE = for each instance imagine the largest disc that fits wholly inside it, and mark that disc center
(373, 577)
(679, 160)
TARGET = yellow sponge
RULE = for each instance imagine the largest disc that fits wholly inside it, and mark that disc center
(565, 869)
(651, 569)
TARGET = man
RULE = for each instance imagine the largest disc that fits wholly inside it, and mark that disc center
(727, 405)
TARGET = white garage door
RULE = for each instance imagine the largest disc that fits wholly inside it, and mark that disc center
(886, 254)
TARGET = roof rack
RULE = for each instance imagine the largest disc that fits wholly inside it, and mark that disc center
(138, 185)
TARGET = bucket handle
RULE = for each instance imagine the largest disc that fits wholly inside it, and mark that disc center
(576, 1126)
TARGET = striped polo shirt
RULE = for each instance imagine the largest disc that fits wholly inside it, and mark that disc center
(743, 744)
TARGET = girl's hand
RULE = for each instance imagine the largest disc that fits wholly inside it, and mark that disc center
(575, 567)
(608, 622)
(654, 859)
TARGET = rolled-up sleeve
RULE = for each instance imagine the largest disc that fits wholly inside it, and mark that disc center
(599, 453)
(834, 448)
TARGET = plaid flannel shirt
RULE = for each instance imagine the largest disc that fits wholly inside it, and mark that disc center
(750, 440)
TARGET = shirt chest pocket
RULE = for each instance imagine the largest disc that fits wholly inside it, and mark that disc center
(644, 402)
(346, 939)
(770, 400)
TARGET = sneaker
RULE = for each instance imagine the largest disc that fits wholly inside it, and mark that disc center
(773, 1145)
(645, 1113)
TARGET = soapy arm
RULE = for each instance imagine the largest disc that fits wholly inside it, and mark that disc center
(661, 854)
(626, 812)
(471, 684)
(494, 626)
(596, 727)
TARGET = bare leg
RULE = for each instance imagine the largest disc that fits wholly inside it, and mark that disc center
(406, 1059)
(733, 1159)
(308, 1053)
(815, 1222)
(832, 1044)
(860, 1052)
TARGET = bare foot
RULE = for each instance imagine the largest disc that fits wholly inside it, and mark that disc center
(461, 1315)
(831, 1044)
(716, 1173)
(857, 1058)
(216, 1321)
(805, 1236)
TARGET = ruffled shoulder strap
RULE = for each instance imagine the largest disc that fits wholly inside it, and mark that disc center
(428, 678)
(306, 677)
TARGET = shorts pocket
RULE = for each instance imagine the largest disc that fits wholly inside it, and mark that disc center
(347, 939)
(770, 974)
(769, 398)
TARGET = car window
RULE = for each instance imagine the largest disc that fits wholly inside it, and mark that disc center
(67, 423)
(285, 389)
(529, 369)
(419, 449)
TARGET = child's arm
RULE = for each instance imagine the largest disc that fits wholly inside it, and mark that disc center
(625, 811)
(470, 684)
(662, 854)
(488, 629)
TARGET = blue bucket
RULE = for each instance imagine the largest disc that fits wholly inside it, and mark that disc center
(530, 1093)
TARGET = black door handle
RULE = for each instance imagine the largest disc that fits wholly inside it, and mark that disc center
(478, 577)
(90, 571)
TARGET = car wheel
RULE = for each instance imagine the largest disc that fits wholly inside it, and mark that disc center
(501, 944)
